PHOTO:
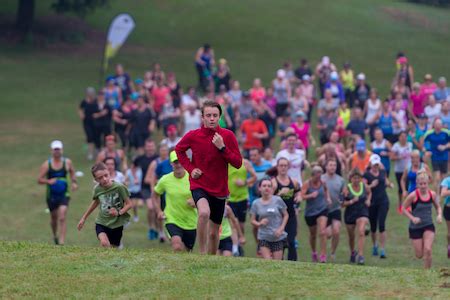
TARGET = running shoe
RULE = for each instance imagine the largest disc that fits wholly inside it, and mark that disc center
(400, 210)
(448, 252)
(56, 240)
(314, 257)
(136, 219)
(353, 257)
(375, 250)
(241, 251)
(361, 260)
(382, 253)
(323, 259)
(152, 234)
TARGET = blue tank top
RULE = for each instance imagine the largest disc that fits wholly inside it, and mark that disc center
(377, 149)
(59, 190)
(206, 58)
(385, 124)
(411, 179)
(162, 167)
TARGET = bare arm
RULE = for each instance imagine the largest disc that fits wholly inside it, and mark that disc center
(251, 171)
(73, 178)
(438, 208)
(42, 179)
(90, 209)
(150, 177)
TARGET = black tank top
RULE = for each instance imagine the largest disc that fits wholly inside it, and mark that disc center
(422, 209)
(289, 197)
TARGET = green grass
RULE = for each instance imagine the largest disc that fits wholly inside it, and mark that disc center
(84, 272)
(42, 87)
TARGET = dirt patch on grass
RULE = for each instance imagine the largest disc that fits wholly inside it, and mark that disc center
(415, 19)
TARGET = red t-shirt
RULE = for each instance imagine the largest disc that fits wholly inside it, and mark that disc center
(258, 94)
(159, 94)
(248, 128)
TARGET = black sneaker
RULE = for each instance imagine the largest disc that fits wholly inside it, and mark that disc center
(56, 240)
(361, 260)
(241, 251)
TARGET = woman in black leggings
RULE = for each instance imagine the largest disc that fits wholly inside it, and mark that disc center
(287, 188)
(377, 181)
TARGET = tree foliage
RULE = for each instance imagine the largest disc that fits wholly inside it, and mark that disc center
(79, 7)
(441, 3)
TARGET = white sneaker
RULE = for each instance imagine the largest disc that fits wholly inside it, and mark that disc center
(120, 246)
(136, 219)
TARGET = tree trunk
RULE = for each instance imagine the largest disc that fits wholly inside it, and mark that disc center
(25, 16)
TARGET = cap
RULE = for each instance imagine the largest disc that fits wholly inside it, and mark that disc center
(402, 60)
(428, 77)
(442, 79)
(56, 145)
(173, 156)
(172, 128)
(361, 76)
(306, 77)
(139, 81)
(110, 79)
(300, 113)
(281, 73)
(375, 159)
(360, 145)
(334, 75)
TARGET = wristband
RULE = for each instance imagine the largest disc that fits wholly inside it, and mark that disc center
(222, 149)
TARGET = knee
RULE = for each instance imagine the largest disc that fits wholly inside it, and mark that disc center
(203, 215)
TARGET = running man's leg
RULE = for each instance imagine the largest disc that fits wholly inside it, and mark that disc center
(62, 224)
(428, 239)
(104, 241)
(335, 232)
(361, 228)
(203, 212)
(213, 242)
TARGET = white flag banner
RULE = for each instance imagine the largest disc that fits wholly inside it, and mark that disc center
(119, 30)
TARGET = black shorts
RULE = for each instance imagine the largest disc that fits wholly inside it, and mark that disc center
(137, 140)
(89, 130)
(114, 235)
(146, 193)
(441, 166)
(226, 244)
(312, 220)
(280, 108)
(447, 212)
(416, 234)
(187, 236)
(334, 215)
(350, 216)
(216, 205)
(239, 209)
(55, 203)
(273, 246)
(135, 195)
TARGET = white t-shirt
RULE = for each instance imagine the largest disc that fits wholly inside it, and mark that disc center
(296, 160)
(119, 177)
(404, 152)
(432, 113)
(192, 121)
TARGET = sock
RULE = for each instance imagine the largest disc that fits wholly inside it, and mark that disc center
(235, 248)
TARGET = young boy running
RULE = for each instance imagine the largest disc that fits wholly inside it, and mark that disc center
(114, 201)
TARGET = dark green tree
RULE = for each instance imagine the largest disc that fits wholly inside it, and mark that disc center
(26, 10)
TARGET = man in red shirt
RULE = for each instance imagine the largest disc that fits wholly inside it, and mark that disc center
(213, 148)
(253, 132)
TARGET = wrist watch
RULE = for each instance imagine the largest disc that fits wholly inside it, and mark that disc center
(222, 149)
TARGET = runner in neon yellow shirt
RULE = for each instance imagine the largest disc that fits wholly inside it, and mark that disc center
(230, 234)
(180, 213)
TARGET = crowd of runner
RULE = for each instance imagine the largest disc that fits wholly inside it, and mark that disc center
(320, 135)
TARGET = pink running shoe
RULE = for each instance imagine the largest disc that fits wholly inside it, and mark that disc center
(314, 257)
(323, 259)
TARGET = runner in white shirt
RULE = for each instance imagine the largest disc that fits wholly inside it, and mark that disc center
(295, 156)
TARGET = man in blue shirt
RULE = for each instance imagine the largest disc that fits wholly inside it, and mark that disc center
(437, 143)
(442, 93)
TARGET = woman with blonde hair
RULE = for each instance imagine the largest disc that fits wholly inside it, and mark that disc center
(421, 227)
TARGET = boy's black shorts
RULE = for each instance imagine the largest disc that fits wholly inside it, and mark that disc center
(239, 209)
(216, 205)
(226, 244)
(187, 236)
(114, 235)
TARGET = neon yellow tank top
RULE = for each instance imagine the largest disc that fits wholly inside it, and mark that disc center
(237, 193)
(347, 79)
(345, 116)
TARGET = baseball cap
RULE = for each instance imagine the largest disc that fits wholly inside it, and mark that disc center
(334, 75)
(281, 73)
(375, 159)
(306, 77)
(139, 81)
(361, 76)
(173, 156)
(428, 77)
(402, 60)
(360, 145)
(56, 145)
(172, 128)
(300, 113)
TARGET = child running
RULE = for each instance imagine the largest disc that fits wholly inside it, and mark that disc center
(272, 219)
(421, 227)
(114, 201)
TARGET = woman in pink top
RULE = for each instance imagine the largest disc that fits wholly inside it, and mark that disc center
(257, 92)
(418, 101)
(159, 94)
(302, 130)
(428, 87)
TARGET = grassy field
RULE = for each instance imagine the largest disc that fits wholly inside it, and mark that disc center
(42, 87)
(103, 274)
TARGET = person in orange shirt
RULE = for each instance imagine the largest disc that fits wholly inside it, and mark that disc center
(360, 159)
(252, 133)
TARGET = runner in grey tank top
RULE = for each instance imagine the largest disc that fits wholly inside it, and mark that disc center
(421, 227)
